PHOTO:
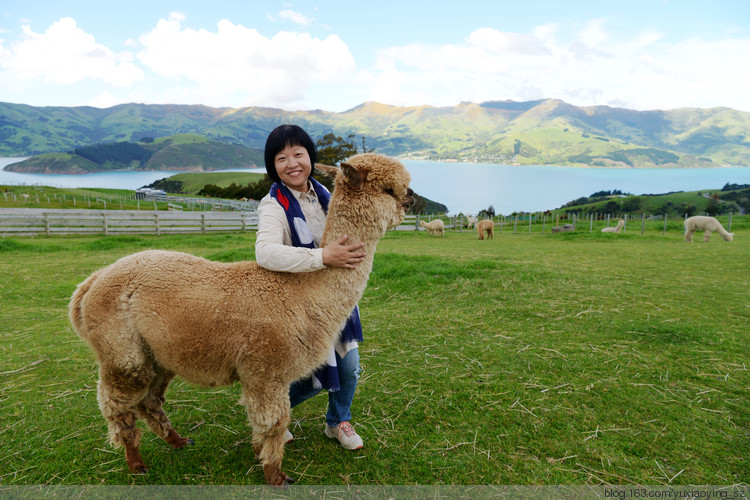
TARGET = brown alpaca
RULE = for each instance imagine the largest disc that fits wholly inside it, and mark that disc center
(486, 226)
(156, 314)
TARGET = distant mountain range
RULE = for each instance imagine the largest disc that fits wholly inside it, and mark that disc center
(546, 131)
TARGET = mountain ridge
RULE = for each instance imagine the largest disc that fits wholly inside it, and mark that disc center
(545, 131)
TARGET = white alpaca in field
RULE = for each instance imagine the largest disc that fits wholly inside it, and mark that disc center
(616, 229)
(434, 227)
(707, 225)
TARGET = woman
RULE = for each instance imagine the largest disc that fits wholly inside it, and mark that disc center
(290, 228)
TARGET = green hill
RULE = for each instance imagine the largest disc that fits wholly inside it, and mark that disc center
(547, 131)
(731, 198)
(178, 152)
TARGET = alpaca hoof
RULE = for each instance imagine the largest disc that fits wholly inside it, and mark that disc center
(140, 470)
(275, 477)
(178, 442)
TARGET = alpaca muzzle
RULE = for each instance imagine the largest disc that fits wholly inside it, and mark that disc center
(408, 199)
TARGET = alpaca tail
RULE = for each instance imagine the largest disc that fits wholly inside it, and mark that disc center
(75, 312)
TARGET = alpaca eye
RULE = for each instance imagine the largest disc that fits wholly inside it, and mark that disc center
(390, 192)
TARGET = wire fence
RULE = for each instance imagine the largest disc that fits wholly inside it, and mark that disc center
(31, 221)
(552, 223)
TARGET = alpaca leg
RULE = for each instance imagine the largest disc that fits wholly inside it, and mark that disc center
(269, 414)
(150, 409)
(119, 394)
(706, 235)
(689, 235)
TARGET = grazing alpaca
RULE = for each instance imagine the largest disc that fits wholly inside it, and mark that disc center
(616, 229)
(707, 225)
(486, 226)
(156, 314)
(434, 227)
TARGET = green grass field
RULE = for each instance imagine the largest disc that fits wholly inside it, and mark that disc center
(575, 358)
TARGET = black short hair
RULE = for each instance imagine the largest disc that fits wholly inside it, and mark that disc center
(283, 136)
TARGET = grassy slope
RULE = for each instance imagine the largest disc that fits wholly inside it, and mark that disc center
(194, 182)
(528, 359)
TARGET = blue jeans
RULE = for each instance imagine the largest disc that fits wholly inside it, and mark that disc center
(339, 402)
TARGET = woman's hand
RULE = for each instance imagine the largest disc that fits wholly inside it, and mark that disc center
(337, 254)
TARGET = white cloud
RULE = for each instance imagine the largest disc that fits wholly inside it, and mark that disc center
(295, 17)
(587, 67)
(239, 61)
(65, 54)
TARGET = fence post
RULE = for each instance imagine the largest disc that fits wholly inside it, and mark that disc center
(244, 223)
(729, 224)
(643, 224)
(203, 223)
(46, 223)
(156, 218)
(544, 221)
(664, 231)
(104, 223)
(530, 223)
(625, 226)
(591, 223)
(515, 223)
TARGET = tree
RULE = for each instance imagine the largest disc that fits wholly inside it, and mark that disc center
(688, 208)
(713, 207)
(488, 212)
(333, 149)
(632, 204)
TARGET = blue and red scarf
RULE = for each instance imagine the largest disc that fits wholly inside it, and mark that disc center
(327, 375)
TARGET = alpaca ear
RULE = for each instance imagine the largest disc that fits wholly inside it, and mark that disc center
(352, 175)
(327, 170)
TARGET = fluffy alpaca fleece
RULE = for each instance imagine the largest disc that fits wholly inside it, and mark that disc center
(486, 226)
(156, 314)
(707, 225)
(470, 221)
(434, 227)
(616, 229)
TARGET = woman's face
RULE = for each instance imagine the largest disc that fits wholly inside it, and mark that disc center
(293, 166)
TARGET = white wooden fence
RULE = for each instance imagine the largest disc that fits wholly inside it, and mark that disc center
(31, 221)
(39, 221)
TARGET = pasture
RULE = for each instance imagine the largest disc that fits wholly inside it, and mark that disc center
(571, 358)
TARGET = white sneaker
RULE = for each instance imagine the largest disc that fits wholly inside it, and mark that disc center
(288, 437)
(345, 434)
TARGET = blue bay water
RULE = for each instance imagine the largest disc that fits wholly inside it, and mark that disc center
(471, 187)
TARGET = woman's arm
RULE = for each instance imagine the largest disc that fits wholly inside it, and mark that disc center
(273, 246)
(274, 252)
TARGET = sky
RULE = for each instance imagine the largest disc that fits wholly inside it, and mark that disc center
(333, 56)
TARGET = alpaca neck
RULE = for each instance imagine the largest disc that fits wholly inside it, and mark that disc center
(343, 219)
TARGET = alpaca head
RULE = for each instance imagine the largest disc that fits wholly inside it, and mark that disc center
(376, 186)
(729, 237)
